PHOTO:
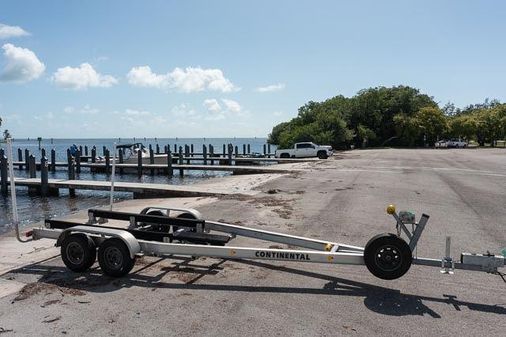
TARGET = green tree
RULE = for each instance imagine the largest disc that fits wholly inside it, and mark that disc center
(432, 123)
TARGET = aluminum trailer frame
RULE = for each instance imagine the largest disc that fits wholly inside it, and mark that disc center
(153, 230)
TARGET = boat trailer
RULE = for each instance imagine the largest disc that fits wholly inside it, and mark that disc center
(168, 232)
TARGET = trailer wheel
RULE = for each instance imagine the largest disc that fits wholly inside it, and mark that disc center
(184, 215)
(387, 256)
(78, 252)
(114, 258)
(156, 227)
(322, 155)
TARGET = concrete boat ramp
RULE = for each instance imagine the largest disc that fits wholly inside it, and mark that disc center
(140, 190)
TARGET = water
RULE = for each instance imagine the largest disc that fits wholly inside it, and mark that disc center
(36, 208)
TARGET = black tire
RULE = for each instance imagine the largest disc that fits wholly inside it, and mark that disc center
(184, 215)
(78, 252)
(322, 155)
(156, 227)
(387, 256)
(284, 155)
(114, 258)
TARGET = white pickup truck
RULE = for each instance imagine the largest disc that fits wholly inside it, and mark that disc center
(306, 149)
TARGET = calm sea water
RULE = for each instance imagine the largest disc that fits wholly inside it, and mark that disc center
(35, 208)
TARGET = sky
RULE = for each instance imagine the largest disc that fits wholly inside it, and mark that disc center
(93, 69)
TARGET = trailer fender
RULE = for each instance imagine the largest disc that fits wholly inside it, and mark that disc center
(129, 240)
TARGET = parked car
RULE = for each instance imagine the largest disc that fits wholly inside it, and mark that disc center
(457, 143)
(306, 149)
(441, 144)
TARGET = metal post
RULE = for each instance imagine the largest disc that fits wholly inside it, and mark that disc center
(113, 175)
(3, 175)
(44, 187)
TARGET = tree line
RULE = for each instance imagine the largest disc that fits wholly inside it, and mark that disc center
(390, 116)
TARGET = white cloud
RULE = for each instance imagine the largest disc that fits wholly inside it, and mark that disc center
(231, 105)
(144, 77)
(133, 112)
(271, 88)
(85, 110)
(7, 32)
(82, 77)
(185, 80)
(22, 65)
(212, 105)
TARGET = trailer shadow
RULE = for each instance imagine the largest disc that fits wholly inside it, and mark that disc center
(378, 299)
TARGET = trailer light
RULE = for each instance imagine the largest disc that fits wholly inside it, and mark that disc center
(391, 209)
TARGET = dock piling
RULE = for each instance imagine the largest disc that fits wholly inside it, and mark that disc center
(93, 154)
(44, 188)
(204, 153)
(31, 166)
(170, 171)
(181, 173)
(27, 155)
(3, 174)
(78, 162)
(151, 159)
(139, 163)
(53, 160)
(20, 158)
(107, 161)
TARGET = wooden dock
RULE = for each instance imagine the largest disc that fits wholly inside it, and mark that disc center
(235, 169)
(140, 190)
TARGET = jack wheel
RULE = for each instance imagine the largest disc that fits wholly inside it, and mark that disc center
(78, 252)
(114, 258)
(387, 256)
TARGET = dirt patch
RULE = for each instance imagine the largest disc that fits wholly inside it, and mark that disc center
(35, 288)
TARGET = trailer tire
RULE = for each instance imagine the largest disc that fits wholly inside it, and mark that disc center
(387, 256)
(184, 215)
(114, 258)
(322, 155)
(78, 252)
(156, 227)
